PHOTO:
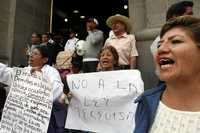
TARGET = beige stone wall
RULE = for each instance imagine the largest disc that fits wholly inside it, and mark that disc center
(147, 17)
(19, 18)
(31, 16)
(7, 19)
(196, 8)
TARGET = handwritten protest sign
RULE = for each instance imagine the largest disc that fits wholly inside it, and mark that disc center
(103, 102)
(28, 105)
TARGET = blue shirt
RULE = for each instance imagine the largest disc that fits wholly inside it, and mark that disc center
(146, 109)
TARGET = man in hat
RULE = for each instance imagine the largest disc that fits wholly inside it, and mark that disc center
(123, 42)
(94, 43)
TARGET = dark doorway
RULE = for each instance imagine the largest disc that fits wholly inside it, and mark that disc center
(67, 14)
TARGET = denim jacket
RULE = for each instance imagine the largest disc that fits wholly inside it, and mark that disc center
(146, 109)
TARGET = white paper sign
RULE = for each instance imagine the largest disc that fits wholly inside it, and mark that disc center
(103, 102)
(28, 105)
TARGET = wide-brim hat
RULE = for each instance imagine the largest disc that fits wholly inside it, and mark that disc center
(112, 19)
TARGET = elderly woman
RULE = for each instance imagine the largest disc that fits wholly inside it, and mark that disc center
(108, 59)
(37, 61)
(174, 107)
(123, 42)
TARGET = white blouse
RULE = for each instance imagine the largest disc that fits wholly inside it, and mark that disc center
(168, 120)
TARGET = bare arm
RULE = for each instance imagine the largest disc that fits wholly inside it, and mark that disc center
(132, 62)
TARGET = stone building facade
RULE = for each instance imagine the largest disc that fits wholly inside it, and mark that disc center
(19, 18)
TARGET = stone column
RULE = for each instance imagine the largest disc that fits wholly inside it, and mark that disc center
(147, 17)
(19, 18)
(7, 20)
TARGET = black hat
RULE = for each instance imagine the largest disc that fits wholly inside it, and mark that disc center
(94, 20)
(72, 31)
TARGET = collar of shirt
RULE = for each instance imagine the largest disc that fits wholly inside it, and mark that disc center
(91, 31)
(122, 36)
(74, 38)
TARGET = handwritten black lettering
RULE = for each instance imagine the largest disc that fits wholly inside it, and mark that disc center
(132, 87)
(108, 116)
(84, 112)
(130, 116)
(121, 115)
(96, 102)
(75, 85)
(92, 115)
(79, 84)
(84, 83)
(103, 115)
(101, 83)
(118, 85)
(28, 106)
(100, 114)
(18, 73)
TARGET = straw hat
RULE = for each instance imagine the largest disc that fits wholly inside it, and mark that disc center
(121, 18)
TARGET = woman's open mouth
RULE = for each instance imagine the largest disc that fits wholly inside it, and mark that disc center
(105, 62)
(165, 63)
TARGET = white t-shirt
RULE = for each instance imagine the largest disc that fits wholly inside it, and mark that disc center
(169, 120)
(71, 44)
(154, 45)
